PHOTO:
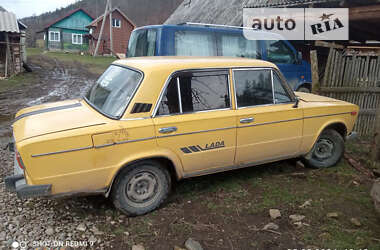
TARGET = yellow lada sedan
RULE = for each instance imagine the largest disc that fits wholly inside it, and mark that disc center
(149, 121)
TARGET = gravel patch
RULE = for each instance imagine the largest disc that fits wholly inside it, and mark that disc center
(44, 222)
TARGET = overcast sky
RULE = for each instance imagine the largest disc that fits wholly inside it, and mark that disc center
(24, 8)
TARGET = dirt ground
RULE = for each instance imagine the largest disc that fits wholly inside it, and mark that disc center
(221, 211)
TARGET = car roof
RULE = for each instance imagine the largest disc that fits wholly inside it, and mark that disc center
(175, 63)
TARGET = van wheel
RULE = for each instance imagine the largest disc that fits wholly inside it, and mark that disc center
(141, 188)
(326, 152)
(303, 89)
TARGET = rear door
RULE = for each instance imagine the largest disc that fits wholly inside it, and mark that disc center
(269, 128)
(194, 119)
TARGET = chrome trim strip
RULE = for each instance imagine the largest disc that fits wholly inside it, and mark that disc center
(196, 132)
(317, 116)
(123, 142)
(46, 110)
(135, 119)
(63, 151)
(268, 123)
(271, 77)
(179, 96)
(69, 129)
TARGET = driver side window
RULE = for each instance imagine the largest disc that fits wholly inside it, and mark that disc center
(280, 94)
(279, 52)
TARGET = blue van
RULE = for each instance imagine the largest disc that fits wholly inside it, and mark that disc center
(194, 39)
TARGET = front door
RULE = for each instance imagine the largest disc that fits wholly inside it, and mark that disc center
(268, 126)
(195, 120)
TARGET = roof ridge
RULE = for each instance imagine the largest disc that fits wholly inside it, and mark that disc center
(67, 15)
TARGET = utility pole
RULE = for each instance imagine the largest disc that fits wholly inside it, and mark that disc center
(111, 42)
(101, 29)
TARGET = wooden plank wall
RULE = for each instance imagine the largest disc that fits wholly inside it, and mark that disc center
(354, 76)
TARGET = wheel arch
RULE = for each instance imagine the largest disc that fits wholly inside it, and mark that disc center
(172, 163)
(337, 124)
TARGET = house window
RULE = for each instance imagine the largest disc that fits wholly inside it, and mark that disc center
(77, 39)
(116, 23)
(54, 36)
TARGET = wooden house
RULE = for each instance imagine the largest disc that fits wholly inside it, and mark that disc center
(12, 44)
(122, 27)
(68, 33)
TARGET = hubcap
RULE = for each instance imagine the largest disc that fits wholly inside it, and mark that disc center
(142, 187)
(324, 149)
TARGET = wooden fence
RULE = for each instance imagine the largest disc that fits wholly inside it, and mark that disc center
(353, 75)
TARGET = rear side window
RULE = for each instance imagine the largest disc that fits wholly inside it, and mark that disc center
(253, 87)
(142, 43)
(239, 46)
(279, 52)
(199, 93)
(194, 43)
(196, 91)
(170, 100)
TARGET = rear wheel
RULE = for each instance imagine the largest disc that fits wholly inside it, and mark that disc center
(141, 188)
(327, 151)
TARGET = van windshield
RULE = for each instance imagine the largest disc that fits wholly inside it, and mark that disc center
(114, 89)
(142, 43)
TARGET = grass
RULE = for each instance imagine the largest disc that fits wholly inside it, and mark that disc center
(96, 65)
(17, 81)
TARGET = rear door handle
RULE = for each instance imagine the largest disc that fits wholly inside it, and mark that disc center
(167, 130)
(247, 120)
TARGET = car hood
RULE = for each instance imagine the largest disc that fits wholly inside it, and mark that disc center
(54, 117)
(307, 97)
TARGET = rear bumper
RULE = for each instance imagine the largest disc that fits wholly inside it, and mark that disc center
(17, 184)
(352, 135)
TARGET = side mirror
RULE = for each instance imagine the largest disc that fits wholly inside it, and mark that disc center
(297, 102)
(299, 57)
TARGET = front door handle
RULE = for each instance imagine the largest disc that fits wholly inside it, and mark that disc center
(247, 120)
(167, 130)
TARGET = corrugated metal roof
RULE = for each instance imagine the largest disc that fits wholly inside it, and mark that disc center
(228, 12)
(283, 3)
(8, 22)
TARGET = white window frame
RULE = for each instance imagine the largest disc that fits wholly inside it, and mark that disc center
(76, 42)
(54, 32)
(116, 21)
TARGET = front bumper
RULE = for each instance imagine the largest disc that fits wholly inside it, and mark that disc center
(17, 184)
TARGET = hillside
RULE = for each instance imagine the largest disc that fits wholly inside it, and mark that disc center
(141, 12)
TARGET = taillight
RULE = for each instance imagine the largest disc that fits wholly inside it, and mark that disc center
(353, 113)
(19, 160)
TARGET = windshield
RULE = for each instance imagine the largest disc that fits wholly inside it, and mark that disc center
(113, 90)
(142, 43)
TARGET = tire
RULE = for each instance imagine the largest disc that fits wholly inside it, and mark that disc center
(141, 188)
(327, 150)
(304, 89)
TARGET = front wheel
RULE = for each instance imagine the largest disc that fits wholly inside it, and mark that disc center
(327, 151)
(141, 188)
(303, 89)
